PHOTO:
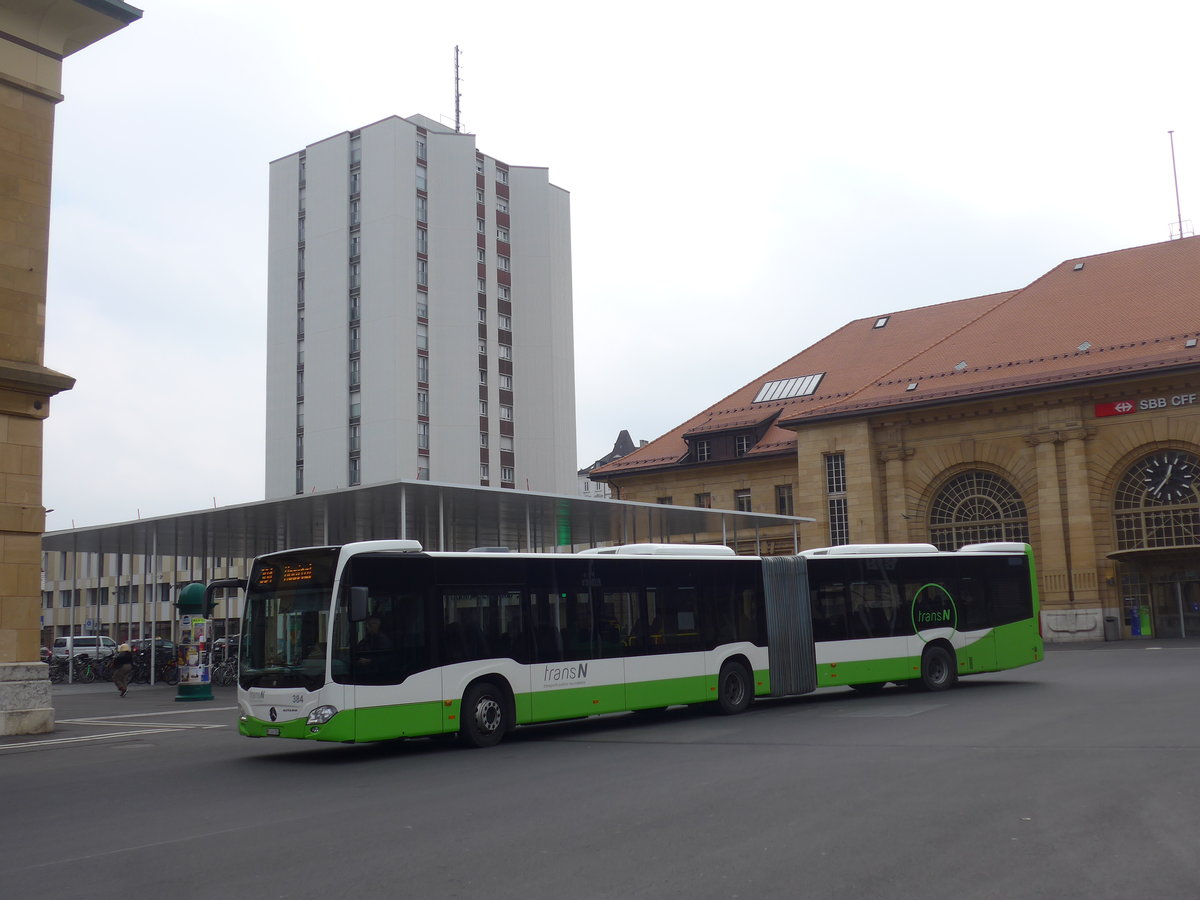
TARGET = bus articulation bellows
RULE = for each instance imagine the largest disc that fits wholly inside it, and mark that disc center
(379, 640)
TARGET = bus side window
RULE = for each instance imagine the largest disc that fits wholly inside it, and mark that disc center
(970, 602)
(618, 613)
(875, 609)
(749, 613)
(578, 635)
(673, 619)
(829, 612)
(1008, 591)
(547, 637)
(463, 636)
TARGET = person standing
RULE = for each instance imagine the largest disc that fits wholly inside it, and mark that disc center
(122, 668)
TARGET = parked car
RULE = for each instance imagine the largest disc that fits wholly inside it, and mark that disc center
(163, 649)
(96, 646)
(229, 644)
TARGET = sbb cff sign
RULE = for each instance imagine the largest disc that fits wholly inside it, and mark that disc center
(1116, 408)
(1125, 407)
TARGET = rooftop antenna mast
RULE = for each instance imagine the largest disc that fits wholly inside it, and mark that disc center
(458, 101)
(1175, 173)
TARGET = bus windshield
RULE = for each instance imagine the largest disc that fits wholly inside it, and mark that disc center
(285, 624)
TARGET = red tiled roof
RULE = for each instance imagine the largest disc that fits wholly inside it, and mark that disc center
(1131, 311)
(733, 419)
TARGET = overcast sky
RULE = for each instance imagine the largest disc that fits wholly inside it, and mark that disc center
(745, 178)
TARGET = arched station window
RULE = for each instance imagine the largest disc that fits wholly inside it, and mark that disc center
(975, 507)
(1157, 503)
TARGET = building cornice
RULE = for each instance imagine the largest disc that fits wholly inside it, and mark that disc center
(25, 388)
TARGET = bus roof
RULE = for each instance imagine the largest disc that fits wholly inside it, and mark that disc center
(903, 549)
(870, 550)
(661, 550)
(644, 549)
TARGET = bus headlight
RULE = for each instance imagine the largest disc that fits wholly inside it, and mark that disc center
(321, 715)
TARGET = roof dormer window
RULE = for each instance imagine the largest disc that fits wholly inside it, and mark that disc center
(788, 388)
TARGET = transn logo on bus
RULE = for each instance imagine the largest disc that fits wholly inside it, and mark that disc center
(561, 674)
(933, 607)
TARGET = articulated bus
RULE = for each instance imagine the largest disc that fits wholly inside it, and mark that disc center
(379, 640)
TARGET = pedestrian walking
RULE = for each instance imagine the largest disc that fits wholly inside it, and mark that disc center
(122, 668)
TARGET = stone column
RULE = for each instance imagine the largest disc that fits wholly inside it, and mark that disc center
(897, 497)
(25, 706)
(35, 36)
(1084, 582)
(1052, 549)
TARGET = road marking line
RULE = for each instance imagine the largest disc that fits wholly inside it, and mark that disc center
(173, 712)
(166, 726)
(79, 740)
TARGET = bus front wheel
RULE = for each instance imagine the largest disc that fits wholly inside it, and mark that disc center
(735, 689)
(938, 671)
(483, 717)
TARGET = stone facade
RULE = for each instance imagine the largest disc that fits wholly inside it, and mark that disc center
(761, 477)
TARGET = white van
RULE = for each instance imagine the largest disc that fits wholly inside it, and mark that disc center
(95, 646)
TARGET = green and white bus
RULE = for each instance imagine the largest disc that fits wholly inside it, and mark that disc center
(378, 640)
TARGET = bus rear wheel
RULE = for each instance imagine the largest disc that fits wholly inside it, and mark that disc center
(483, 715)
(938, 672)
(735, 689)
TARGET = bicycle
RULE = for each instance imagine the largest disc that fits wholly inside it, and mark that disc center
(83, 670)
(225, 672)
(141, 671)
(58, 670)
(168, 672)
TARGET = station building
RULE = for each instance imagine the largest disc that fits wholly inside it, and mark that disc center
(1065, 414)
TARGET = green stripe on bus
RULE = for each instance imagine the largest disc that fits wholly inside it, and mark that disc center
(339, 728)
(379, 723)
(1018, 644)
(869, 671)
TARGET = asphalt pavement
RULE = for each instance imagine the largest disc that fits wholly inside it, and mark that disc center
(81, 708)
(1073, 777)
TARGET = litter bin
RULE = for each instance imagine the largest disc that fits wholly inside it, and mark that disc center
(1112, 628)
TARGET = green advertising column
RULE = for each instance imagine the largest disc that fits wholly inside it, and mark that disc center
(194, 681)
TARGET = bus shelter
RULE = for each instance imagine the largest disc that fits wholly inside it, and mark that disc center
(440, 516)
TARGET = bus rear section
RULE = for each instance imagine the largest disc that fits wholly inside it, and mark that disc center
(911, 614)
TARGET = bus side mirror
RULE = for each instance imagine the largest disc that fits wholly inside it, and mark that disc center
(358, 603)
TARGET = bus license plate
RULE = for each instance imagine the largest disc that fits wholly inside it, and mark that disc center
(272, 732)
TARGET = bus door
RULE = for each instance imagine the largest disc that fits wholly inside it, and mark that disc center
(976, 646)
(386, 661)
(666, 662)
(578, 669)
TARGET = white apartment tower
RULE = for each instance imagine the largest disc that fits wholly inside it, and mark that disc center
(419, 316)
